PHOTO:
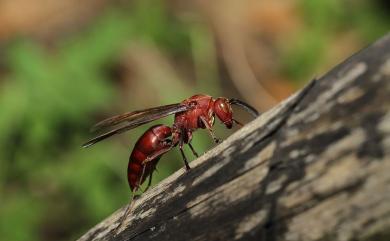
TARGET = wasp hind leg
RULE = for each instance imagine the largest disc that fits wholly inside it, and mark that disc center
(149, 182)
(130, 205)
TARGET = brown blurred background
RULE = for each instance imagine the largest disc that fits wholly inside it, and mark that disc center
(66, 64)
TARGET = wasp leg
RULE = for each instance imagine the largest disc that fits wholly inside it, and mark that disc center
(211, 132)
(149, 182)
(184, 159)
(131, 203)
(181, 143)
(157, 154)
(193, 150)
(238, 123)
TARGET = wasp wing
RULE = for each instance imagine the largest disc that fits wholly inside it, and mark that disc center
(136, 119)
(139, 114)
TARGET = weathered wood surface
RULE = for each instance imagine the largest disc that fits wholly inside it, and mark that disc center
(315, 167)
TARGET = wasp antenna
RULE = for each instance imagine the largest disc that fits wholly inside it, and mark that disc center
(246, 106)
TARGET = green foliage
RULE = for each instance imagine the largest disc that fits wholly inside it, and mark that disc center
(324, 21)
(46, 105)
(20, 215)
(305, 55)
(371, 20)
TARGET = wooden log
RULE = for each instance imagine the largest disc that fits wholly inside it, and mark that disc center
(315, 167)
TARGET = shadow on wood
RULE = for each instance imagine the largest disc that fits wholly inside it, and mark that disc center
(315, 167)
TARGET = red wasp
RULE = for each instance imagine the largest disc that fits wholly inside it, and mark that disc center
(196, 112)
(193, 113)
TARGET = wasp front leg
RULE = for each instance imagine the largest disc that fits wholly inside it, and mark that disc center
(209, 129)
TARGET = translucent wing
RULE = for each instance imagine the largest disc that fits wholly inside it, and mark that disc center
(135, 119)
(131, 116)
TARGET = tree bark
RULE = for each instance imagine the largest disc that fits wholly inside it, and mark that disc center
(315, 167)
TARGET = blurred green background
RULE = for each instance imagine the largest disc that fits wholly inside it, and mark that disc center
(65, 65)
